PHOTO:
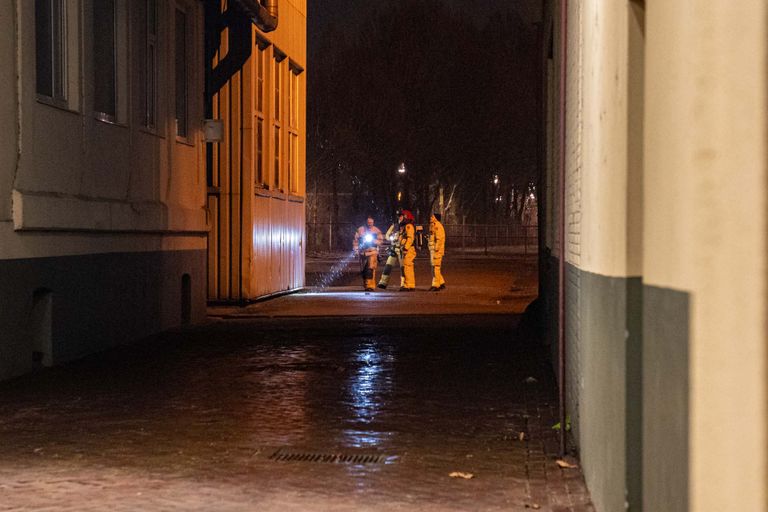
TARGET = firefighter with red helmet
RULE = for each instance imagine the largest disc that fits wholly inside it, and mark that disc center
(408, 248)
(366, 244)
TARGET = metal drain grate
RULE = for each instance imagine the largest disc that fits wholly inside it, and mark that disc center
(284, 455)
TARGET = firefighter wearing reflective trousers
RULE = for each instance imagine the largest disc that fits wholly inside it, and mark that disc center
(366, 245)
(394, 256)
(407, 241)
(436, 251)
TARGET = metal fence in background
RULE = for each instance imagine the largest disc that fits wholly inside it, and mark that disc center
(470, 238)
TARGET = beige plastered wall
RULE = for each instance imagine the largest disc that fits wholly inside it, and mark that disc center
(67, 172)
(603, 205)
(8, 109)
(603, 237)
(705, 228)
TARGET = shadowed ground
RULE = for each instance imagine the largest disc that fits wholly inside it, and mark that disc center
(196, 419)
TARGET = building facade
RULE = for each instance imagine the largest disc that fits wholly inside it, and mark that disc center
(657, 148)
(257, 178)
(102, 176)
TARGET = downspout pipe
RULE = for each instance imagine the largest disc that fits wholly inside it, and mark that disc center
(239, 48)
(237, 18)
(561, 222)
(263, 13)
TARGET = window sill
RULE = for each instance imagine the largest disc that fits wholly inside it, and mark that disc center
(152, 131)
(108, 119)
(185, 141)
(262, 191)
(57, 104)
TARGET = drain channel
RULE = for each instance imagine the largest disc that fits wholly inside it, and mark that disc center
(285, 455)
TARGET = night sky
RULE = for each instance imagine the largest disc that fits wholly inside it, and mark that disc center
(348, 13)
(407, 91)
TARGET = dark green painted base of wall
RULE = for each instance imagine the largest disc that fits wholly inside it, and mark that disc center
(618, 405)
(634, 392)
(666, 393)
(93, 302)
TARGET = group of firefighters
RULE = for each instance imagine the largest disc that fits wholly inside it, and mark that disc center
(401, 238)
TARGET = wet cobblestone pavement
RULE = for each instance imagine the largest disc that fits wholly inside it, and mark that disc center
(192, 419)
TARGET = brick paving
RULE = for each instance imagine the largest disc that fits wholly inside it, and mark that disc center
(188, 420)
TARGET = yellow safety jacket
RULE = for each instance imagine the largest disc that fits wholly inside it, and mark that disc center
(436, 238)
(407, 237)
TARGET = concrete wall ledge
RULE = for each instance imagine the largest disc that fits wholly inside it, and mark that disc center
(44, 211)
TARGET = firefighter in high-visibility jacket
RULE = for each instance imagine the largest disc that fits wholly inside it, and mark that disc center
(407, 241)
(436, 251)
(366, 245)
(394, 256)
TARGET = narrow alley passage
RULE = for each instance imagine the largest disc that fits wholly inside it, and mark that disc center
(204, 418)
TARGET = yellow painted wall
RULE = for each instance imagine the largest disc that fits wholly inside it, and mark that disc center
(257, 232)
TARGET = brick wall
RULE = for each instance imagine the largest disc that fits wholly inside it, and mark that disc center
(573, 169)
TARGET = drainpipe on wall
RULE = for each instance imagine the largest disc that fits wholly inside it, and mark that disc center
(561, 222)
(237, 18)
(263, 13)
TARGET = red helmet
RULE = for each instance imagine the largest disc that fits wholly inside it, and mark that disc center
(407, 215)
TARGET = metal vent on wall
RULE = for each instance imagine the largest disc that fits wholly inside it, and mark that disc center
(284, 455)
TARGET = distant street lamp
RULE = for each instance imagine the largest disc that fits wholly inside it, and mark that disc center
(400, 178)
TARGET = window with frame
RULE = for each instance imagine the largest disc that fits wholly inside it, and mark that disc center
(278, 184)
(260, 177)
(292, 163)
(110, 60)
(105, 59)
(150, 69)
(181, 79)
(51, 50)
(277, 80)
